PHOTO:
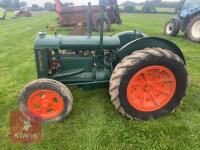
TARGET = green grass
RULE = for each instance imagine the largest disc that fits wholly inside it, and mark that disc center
(170, 10)
(94, 122)
(159, 9)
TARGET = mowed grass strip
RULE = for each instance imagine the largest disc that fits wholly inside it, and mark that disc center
(94, 122)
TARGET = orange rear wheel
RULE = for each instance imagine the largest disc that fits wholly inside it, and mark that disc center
(148, 84)
(151, 88)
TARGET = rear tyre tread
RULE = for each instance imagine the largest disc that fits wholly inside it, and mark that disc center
(118, 73)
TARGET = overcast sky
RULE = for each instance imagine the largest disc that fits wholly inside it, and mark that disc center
(77, 2)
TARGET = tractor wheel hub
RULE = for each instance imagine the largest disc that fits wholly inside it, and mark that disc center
(45, 104)
(151, 88)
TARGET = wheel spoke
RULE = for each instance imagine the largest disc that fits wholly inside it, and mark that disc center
(151, 88)
(163, 81)
(154, 99)
(156, 74)
(144, 99)
(137, 84)
(137, 92)
(144, 76)
(161, 91)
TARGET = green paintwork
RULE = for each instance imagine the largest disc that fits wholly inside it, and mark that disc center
(96, 75)
(149, 42)
(129, 36)
(90, 60)
(86, 62)
(84, 70)
(41, 62)
(75, 42)
(100, 53)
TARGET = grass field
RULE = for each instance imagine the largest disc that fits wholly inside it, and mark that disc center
(169, 10)
(159, 9)
(94, 122)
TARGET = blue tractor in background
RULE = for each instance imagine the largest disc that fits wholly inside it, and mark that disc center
(187, 22)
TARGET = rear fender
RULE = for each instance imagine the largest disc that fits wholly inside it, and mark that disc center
(149, 42)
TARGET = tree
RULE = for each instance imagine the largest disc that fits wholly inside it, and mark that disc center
(68, 3)
(35, 6)
(22, 4)
(149, 6)
(129, 9)
(155, 2)
(6, 4)
(12, 3)
(129, 3)
(129, 6)
(49, 5)
(179, 6)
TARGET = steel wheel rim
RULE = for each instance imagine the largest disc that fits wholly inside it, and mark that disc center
(196, 29)
(151, 88)
(169, 28)
(45, 104)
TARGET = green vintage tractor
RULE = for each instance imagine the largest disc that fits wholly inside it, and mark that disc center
(147, 76)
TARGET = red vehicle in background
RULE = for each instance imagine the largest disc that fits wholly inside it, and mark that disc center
(70, 15)
(23, 12)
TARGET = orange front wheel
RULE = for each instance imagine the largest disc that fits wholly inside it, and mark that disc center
(46, 104)
(45, 100)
